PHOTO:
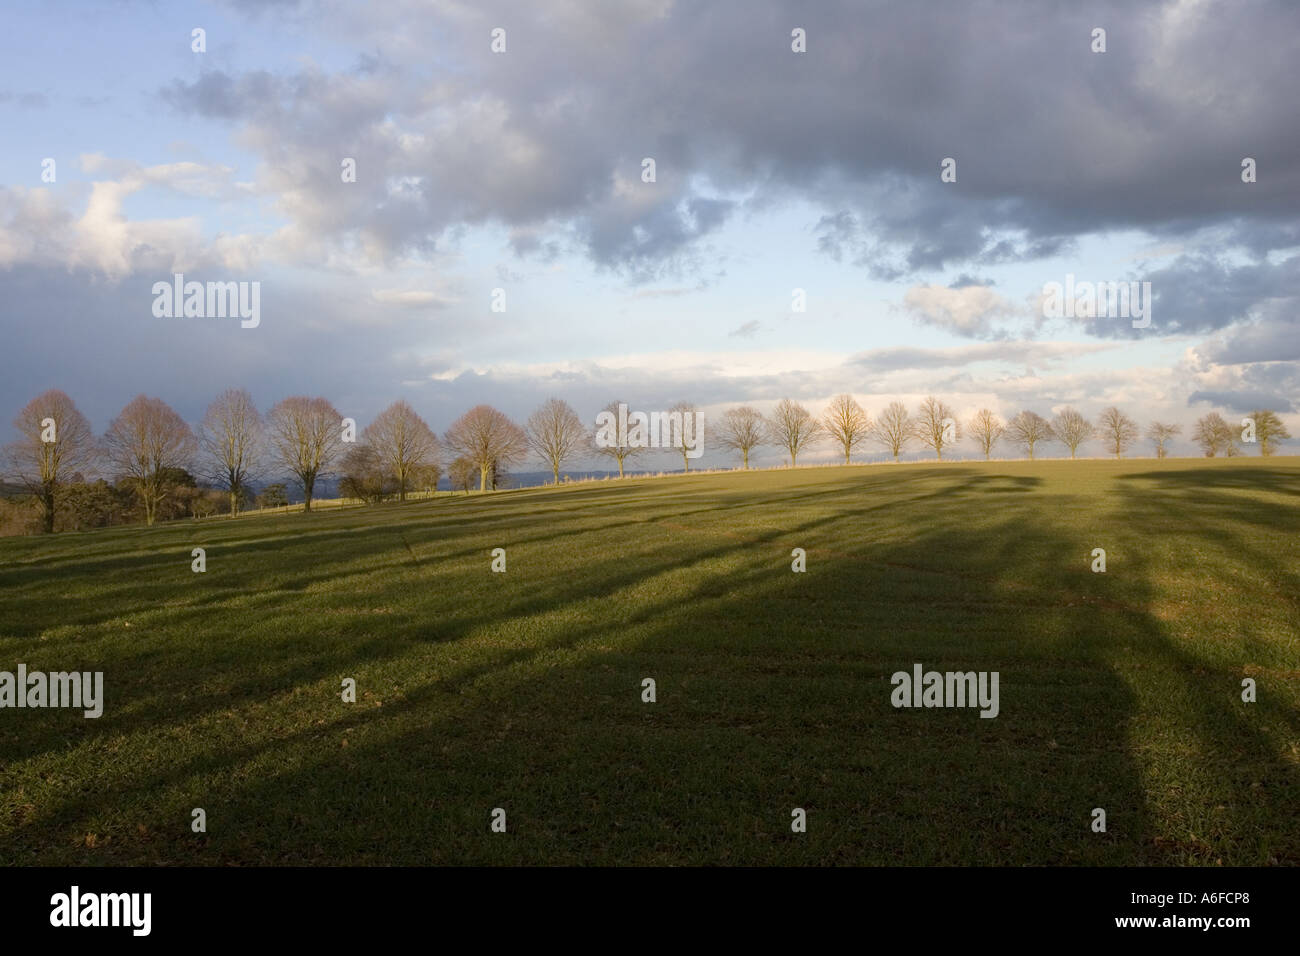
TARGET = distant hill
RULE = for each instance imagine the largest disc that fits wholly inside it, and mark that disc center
(10, 490)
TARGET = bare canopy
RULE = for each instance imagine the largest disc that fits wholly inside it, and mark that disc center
(1029, 430)
(488, 439)
(306, 436)
(1269, 430)
(145, 442)
(230, 441)
(894, 428)
(55, 441)
(1215, 436)
(1117, 430)
(986, 428)
(621, 452)
(936, 426)
(792, 427)
(1162, 433)
(847, 423)
(556, 434)
(742, 430)
(403, 443)
(1072, 429)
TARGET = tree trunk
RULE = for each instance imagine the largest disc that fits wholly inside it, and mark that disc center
(745, 453)
(150, 503)
(556, 470)
(47, 503)
(307, 485)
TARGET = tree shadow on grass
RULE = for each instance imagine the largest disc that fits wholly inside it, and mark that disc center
(1243, 477)
(1239, 620)
(773, 693)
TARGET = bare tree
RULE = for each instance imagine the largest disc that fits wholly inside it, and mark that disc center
(230, 441)
(1028, 430)
(986, 428)
(1215, 436)
(55, 441)
(742, 430)
(461, 474)
(681, 441)
(425, 477)
(403, 442)
(1072, 429)
(1162, 434)
(619, 451)
(147, 443)
(556, 434)
(1269, 430)
(490, 441)
(306, 436)
(366, 474)
(1117, 430)
(847, 423)
(935, 425)
(792, 427)
(894, 428)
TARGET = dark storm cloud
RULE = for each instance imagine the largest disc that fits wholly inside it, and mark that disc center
(187, 362)
(1202, 293)
(1275, 338)
(1271, 385)
(963, 281)
(1051, 140)
(1243, 400)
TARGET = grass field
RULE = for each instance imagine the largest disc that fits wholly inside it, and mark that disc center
(522, 690)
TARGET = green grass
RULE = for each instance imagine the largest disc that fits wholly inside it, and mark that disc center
(523, 690)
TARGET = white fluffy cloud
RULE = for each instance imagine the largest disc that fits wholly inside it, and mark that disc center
(970, 310)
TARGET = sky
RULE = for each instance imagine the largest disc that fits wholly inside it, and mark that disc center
(523, 170)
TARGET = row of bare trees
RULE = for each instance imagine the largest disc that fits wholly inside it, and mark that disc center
(793, 429)
(148, 445)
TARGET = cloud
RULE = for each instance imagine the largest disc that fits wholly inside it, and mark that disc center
(1052, 141)
(1244, 388)
(411, 297)
(1271, 339)
(967, 310)
(1016, 353)
(1243, 400)
(35, 229)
